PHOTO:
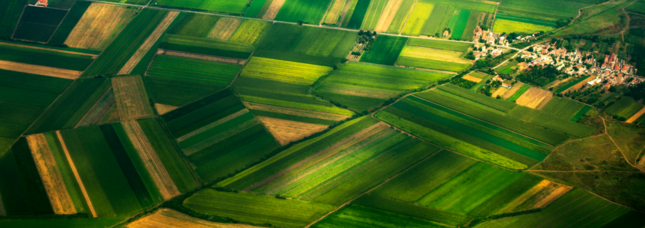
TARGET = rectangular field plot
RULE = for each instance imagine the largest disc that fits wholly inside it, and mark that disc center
(432, 58)
(626, 107)
(361, 87)
(38, 23)
(451, 189)
(359, 217)
(466, 4)
(44, 57)
(575, 209)
(165, 217)
(309, 11)
(223, 6)
(179, 81)
(256, 209)
(418, 18)
(385, 50)
(547, 120)
(563, 108)
(131, 98)
(98, 26)
(311, 45)
(333, 167)
(355, 14)
(549, 10)
(268, 84)
(493, 117)
(510, 26)
(219, 135)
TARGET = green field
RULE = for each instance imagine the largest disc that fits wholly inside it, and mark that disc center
(256, 209)
(126, 44)
(519, 92)
(309, 11)
(570, 84)
(42, 57)
(418, 18)
(437, 44)
(500, 105)
(494, 117)
(71, 106)
(61, 223)
(374, 11)
(466, 4)
(224, 6)
(432, 64)
(626, 107)
(359, 217)
(10, 12)
(68, 24)
(401, 16)
(255, 8)
(178, 81)
(510, 26)
(460, 26)
(550, 121)
(361, 87)
(563, 108)
(354, 18)
(549, 10)
(385, 50)
(38, 23)
(218, 135)
(206, 46)
(577, 208)
(306, 44)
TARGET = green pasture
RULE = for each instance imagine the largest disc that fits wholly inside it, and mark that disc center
(385, 50)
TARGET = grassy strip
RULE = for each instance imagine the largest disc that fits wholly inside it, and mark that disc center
(519, 93)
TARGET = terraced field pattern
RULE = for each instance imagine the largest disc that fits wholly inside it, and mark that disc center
(299, 113)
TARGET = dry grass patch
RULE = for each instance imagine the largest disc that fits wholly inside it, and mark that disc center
(168, 218)
(636, 116)
(334, 12)
(295, 112)
(151, 160)
(163, 109)
(202, 57)
(100, 24)
(434, 54)
(473, 79)
(51, 177)
(286, 131)
(152, 39)
(499, 92)
(533, 97)
(131, 98)
(76, 175)
(513, 90)
(388, 15)
(41, 70)
(273, 10)
(224, 28)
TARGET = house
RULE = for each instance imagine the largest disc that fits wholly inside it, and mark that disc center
(446, 33)
(507, 84)
(595, 81)
(41, 3)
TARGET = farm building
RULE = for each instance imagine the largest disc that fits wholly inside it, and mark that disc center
(41, 3)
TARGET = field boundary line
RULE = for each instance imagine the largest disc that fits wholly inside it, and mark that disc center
(18, 23)
(616, 144)
(248, 60)
(375, 187)
(94, 105)
(407, 18)
(348, 4)
(61, 22)
(76, 175)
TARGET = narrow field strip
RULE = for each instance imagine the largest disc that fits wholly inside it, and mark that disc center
(41, 70)
(152, 39)
(76, 175)
(151, 160)
(636, 116)
(201, 57)
(273, 10)
(212, 125)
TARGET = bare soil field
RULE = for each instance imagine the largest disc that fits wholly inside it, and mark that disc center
(474, 79)
(273, 9)
(533, 97)
(163, 109)
(499, 92)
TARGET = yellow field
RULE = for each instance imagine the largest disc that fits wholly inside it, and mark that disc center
(131, 98)
(499, 92)
(513, 90)
(163, 109)
(224, 28)
(540, 196)
(533, 97)
(151, 160)
(76, 175)
(100, 24)
(273, 10)
(472, 79)
(434, 54)
(420, 14)
(152, 39)
(579, 85)
(507, 26)
(50, 175)
(333, 15)
(388, 15)
(284, 71)
(295, 112)
(41, 70)
(168, 218)
(250, 32)
(286, 131)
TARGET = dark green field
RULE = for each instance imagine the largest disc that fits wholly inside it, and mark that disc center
(308, 11)
(385, 51)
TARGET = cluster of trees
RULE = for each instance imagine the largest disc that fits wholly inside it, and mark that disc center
(540, 76)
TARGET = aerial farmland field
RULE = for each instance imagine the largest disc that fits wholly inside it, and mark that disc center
(322, 113)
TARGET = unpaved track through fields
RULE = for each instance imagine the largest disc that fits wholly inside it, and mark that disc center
(41, 70)
(76, 175)
(152, 39)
